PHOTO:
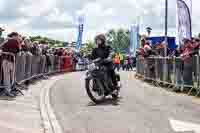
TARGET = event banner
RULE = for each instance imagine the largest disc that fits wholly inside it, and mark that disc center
(80, 35)
(80, 32)
(134, 39)
(184, 26)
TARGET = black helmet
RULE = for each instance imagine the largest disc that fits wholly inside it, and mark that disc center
(100, 37)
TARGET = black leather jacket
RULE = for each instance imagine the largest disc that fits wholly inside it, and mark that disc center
(101, 52)
(104, 53)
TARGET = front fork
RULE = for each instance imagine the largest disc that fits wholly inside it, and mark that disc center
(118, 79)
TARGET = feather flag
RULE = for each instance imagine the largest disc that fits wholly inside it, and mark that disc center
(184, 24)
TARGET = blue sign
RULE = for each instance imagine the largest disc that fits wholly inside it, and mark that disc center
(80, 32)
(155, 40)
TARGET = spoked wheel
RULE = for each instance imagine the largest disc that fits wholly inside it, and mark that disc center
(95, 91)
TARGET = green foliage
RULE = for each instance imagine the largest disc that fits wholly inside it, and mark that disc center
(49, 41)
(118, 39)
(87, 48)
(198, 35)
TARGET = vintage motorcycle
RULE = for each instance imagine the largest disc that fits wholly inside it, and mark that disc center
(99, 84)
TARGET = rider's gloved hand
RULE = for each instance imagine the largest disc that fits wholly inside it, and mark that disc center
(106, 61)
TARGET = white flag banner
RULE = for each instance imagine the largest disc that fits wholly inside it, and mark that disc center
(134, 39)
(184, 25)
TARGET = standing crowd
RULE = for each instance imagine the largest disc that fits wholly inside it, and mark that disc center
(185, 61)
(23, 49)
(16, 43)
(124, 62)
(188, 48)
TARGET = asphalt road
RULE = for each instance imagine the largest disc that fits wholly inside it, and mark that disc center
(141, 109)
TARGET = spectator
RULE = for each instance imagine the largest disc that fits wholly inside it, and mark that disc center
(140, 52)
(75, 61)
(35, 50)
(126, 64)
(176, 52)
(188, 47)
(121, 60)
(131, 62)
(60, 52)
(196, 45)
(26, 46)
(116, 62)
(160, 51)
(12, 44)
(56, 51)
(143, 41)
(147, 49)
(186, 56)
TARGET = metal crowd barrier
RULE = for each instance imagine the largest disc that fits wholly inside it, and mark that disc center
(140, 66)
(179, 74)
(8, 70)
(24, 66)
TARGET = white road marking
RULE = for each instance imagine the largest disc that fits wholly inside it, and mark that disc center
(181, 126)
(50, 122)
(56, 127)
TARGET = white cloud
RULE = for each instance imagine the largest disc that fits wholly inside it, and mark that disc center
(56, 18)
(109, 12)
(20, 22)
(2, 5)
(37, 7)
(92, 8)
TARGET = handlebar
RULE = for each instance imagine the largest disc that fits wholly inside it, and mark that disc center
(96, 60)
(99, 60)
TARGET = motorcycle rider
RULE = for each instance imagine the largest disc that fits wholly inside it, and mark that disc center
(104, 52)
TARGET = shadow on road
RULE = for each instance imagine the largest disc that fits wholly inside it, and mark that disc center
(6, 98)
(108, 101)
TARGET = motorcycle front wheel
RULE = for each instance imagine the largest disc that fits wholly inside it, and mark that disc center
(94, 90)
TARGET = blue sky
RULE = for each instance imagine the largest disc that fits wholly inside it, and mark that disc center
(57, 18)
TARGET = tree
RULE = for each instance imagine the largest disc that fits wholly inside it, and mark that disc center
(47, 40)
(1, 31)
(87, 48)
(118, 39)
(199, 35)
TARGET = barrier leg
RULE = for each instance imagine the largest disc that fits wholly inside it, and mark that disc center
(195, 66)
(198, 92)
(190, 91)
(198, 74)
(6, 75)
